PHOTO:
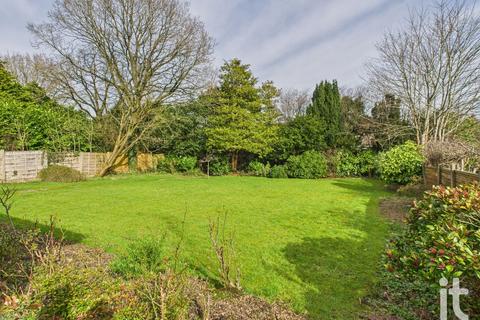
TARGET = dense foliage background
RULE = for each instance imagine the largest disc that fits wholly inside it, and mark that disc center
(30, 120)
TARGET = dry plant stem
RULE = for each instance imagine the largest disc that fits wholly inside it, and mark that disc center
(162, 290)
(6, 201)
(225, 253)
(178, 247)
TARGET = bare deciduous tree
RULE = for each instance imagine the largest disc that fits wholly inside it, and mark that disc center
(124, 59)
(433, 67)
(293, 102)
(30, 69)
(457, 154)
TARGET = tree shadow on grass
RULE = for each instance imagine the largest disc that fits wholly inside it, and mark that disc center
(337, 272)
(367, 185)
(70, 237)
(333, 273)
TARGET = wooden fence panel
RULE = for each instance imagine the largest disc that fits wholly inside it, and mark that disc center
(430, 176)
(2, 166)
(22, 166)
(91, 163)
(447, 177)
(466, 177)
(148, 161)
(70, 160)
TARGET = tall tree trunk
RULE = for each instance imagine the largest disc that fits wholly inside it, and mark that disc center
(234, 161)
(110, 163)
(120, 149)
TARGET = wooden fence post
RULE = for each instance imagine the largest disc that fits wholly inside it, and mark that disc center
(3, 178)
(439, 175)
(453, 178)
(80, 162)
(424, 174)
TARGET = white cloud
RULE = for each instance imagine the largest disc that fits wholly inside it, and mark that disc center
(295, 43)
(14, 17)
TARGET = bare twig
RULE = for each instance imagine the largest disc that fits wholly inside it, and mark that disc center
(432, 66)
(224, 249)
(7, 194)
(121, 60)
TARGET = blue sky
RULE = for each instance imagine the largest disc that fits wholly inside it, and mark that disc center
(295, 43)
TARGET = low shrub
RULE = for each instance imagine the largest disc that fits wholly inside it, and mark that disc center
(443, 235)
(72, 293)
(141, 257)
(278, 172)
(367, 163)
(160, 296)
(220, 167)
(400, 297)
(14, 256)
(166, 165)
(186, 164)
(401, 164)
(57, 173)
(173, 164)
(414, 189)
(258, 169)
(442, 239)
(223, 245)
(347, 164)
(309, 165)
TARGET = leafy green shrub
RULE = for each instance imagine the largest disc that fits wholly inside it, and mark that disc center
(220, 167)
(309, 165)
(346, 164)
(258, 169)
(367, 163)
(278, 172)
(186, 164)
(72, 293)
(401, 164)
(167, 165)
(141, 257)
(173, 164)
(56, 173)
(443, 235)
(441, 239)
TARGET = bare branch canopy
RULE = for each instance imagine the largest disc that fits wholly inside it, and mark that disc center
(433, 67)
(124, 58)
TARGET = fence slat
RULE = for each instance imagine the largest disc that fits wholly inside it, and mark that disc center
(22, 166)
(2, 166)
(443, 176)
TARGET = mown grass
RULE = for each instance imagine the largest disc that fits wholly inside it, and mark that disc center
(314, 244)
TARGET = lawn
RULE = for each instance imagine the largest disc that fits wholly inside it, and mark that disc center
(312, 243)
